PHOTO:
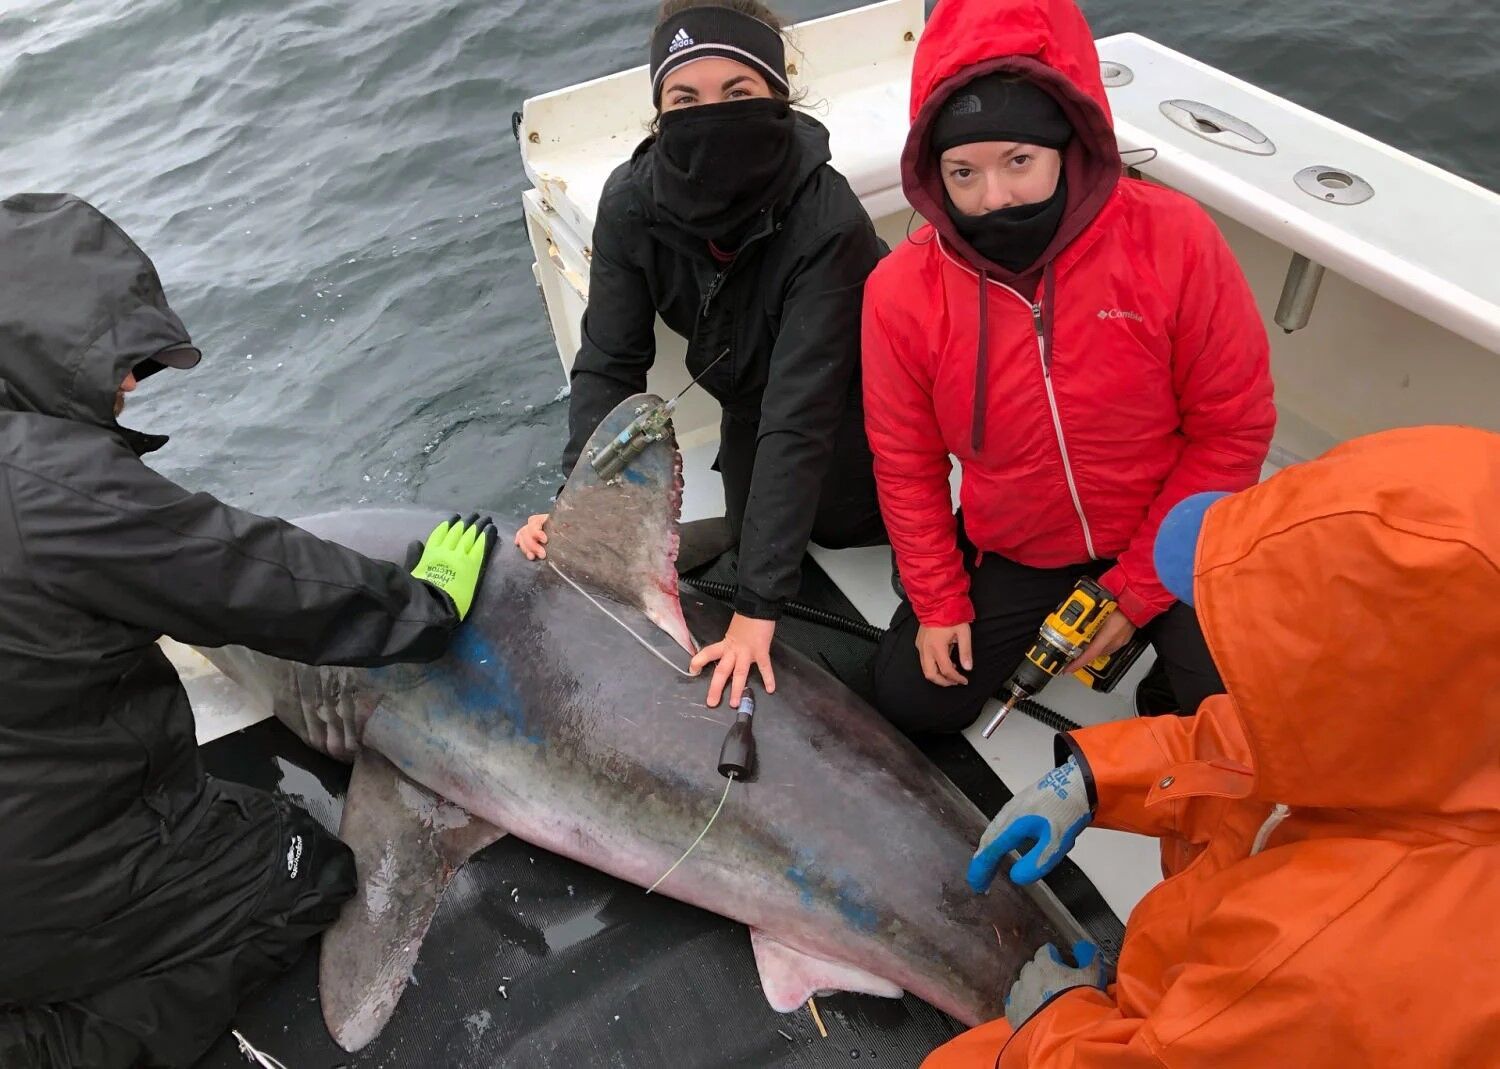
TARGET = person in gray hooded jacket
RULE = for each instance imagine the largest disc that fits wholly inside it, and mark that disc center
(140, 899)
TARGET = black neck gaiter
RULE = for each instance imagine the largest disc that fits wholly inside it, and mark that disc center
(719, 166)
(1015, 237)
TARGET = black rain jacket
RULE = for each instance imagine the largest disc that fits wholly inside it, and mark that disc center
(99, 556)
(787, 309)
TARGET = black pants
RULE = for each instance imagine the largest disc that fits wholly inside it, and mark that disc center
(848, 513)
(176, 1007)
(1010, 602)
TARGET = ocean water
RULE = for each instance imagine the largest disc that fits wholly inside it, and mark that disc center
(330, 191)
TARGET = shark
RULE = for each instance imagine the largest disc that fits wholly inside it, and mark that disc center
(564, 714)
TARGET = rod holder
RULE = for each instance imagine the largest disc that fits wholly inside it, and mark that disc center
(1298, 293)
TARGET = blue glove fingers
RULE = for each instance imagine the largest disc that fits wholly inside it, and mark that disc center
(1044, 856)
(982, 868)
(986, 863)
(1084, 953)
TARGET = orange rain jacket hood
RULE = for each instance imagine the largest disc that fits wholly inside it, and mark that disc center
(1336, 816)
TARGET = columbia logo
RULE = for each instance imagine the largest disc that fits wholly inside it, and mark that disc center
(1117, 313)
(681, 41)
(294, 857)
(968, 104)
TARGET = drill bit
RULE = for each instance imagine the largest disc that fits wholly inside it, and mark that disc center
(1010, 703)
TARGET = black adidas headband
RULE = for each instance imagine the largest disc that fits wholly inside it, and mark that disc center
(719, 32)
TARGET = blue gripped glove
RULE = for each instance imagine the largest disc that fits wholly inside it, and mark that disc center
(1051, 812)
(1047, 975)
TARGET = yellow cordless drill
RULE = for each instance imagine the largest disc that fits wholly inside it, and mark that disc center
(1065, 634)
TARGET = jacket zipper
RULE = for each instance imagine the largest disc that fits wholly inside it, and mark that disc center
(1057, 427)
(708, 300)
(1062, 444)
(713, 290)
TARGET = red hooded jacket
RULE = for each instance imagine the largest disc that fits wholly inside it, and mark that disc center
(1337, 812)
(1127, 370)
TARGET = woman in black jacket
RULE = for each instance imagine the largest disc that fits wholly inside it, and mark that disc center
(730, 223)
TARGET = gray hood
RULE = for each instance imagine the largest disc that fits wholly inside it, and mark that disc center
(80, 307)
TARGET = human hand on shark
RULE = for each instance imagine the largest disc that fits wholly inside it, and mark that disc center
(746, 644)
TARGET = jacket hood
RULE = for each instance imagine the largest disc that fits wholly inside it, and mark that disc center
(812, 152)
(1351, 605)
(80, 306)
(1046, 41)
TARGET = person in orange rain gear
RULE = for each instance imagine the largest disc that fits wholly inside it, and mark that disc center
(1338, 808)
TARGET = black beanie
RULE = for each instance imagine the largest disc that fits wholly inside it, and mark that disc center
(711, 31)
(1000, 107)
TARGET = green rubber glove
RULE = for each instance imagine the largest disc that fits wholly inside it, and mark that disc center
(455, 556)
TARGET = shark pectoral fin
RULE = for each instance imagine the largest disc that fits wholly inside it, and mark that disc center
(789, 977)
(620, 536)
(408, 843)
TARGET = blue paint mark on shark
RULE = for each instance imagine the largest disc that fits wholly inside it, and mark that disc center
(854, 904)
(855, 908)
(484, 689)
(798, 875)
(634, 477)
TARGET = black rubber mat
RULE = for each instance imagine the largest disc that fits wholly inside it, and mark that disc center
(536, 961)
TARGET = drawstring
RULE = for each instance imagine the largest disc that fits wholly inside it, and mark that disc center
(1278, 814)
(981, 364)
(1046, 298)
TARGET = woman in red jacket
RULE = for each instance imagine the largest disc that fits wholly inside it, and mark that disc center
(1084, 344)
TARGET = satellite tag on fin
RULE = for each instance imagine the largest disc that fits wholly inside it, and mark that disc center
(619, 536)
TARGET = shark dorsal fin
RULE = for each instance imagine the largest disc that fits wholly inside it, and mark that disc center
(619, 537)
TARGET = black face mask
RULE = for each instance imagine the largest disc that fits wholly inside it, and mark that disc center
(719, 166)
(1015, 237)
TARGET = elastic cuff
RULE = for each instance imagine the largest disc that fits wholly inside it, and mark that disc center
(750, 604)
(949, 613)
(1135, 608)
(1065, 746)
(1049, 1000)
(447, 602)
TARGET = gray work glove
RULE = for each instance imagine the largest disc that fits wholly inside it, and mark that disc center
(1046, 976)
(1049, 814)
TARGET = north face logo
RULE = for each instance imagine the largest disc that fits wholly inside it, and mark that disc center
(968, 104)
(679, 42)
(1118, 313)
(294, 857)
